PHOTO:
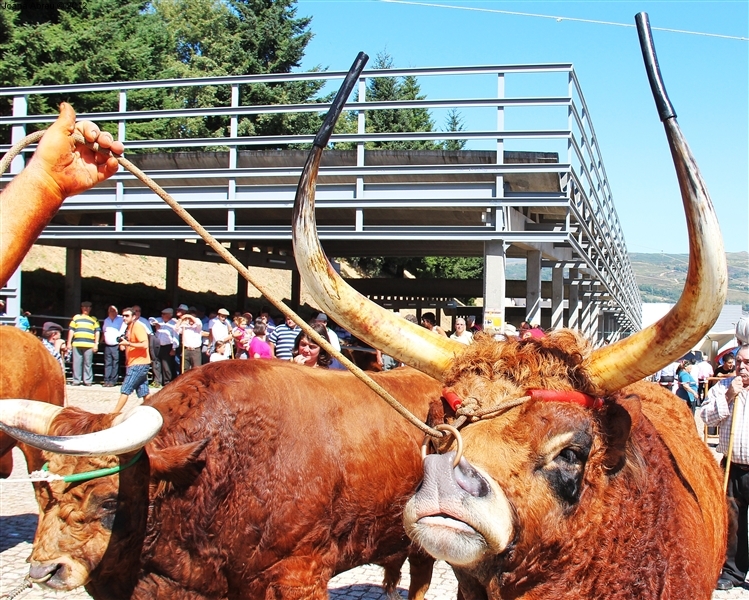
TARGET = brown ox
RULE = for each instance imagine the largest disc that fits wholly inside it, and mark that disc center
(28, 371)
(581, 481)
(266, 480)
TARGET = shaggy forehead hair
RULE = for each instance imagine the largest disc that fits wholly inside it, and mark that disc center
(555, 362)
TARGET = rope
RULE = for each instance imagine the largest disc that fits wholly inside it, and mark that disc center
(244, 272)
(26, 585)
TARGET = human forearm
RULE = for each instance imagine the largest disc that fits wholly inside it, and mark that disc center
(716, 408)
(59, 168)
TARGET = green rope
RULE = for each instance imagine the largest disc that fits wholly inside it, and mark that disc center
(77, 477)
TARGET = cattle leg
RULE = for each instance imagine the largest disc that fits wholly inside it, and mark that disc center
(392, 575)
(295, 578)
(6, 464)
(420, 568)
(468, 587)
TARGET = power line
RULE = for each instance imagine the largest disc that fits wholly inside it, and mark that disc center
(559, 19)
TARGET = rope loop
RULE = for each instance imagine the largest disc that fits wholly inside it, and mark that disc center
(451, 431)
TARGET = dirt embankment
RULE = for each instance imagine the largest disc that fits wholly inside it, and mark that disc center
(124, 279)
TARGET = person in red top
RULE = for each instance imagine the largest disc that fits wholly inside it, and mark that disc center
(137, 359)
(530, 331)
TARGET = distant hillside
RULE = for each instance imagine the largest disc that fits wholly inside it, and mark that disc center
(660, 277)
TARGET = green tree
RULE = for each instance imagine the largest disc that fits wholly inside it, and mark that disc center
(449, 267)
(80, 42)
(86, 41)
(238, 37)
(454, 122)
(393, 120)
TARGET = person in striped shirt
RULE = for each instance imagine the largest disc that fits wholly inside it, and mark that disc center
(282, 339)
(83, 338)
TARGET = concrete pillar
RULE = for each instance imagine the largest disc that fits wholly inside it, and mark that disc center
(494, 282)
(533, 287)
(573, 303)
(557, 296)
(72, 281)
(11, 293)
(172, 280)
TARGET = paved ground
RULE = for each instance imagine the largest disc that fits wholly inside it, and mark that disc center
(18, 517)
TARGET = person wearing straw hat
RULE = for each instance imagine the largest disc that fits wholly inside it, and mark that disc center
(727, 404)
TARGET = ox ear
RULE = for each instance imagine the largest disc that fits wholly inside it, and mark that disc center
(178, 465)
(617, 420)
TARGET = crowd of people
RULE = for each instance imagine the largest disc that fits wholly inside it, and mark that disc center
(690, 377)
(186, 337)
(178, 340)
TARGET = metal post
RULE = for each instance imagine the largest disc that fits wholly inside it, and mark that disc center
(533, 289)
(573, 304)
(557, 296)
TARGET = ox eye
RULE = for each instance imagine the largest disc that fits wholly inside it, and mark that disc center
(569, 455)
(565, 472)
(109, 505)
(107, 512)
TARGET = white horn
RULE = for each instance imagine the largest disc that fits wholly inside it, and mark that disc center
(134, 432)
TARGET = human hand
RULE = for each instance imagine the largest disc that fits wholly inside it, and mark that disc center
(70, 168)
(734, 389)
(299, 359)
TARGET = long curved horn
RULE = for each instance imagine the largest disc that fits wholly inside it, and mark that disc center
(405, 341)
(658, 345)
(28, 421)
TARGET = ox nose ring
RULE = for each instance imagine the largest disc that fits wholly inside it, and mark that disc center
(458, 441)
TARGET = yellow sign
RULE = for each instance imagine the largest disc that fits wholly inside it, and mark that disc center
(492, 320)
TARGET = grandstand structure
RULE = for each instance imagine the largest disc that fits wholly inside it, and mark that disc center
(529, 183)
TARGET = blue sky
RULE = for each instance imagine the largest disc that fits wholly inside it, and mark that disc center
(706, 78)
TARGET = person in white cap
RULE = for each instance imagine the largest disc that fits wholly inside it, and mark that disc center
(221, 331)
(322, 319)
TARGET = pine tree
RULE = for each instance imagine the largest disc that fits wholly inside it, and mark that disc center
(381, 89)
(454, 122)
(81, 42)
(84, 41)
(241, 37)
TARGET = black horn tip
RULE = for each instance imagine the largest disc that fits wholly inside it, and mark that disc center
(336, 107)
(665, 108)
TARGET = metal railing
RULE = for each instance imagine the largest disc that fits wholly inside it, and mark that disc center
(579, 215)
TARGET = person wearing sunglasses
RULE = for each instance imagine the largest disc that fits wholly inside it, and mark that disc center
(135, 343)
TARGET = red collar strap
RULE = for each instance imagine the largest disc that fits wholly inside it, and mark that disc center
(568, 396)
(545, 395)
